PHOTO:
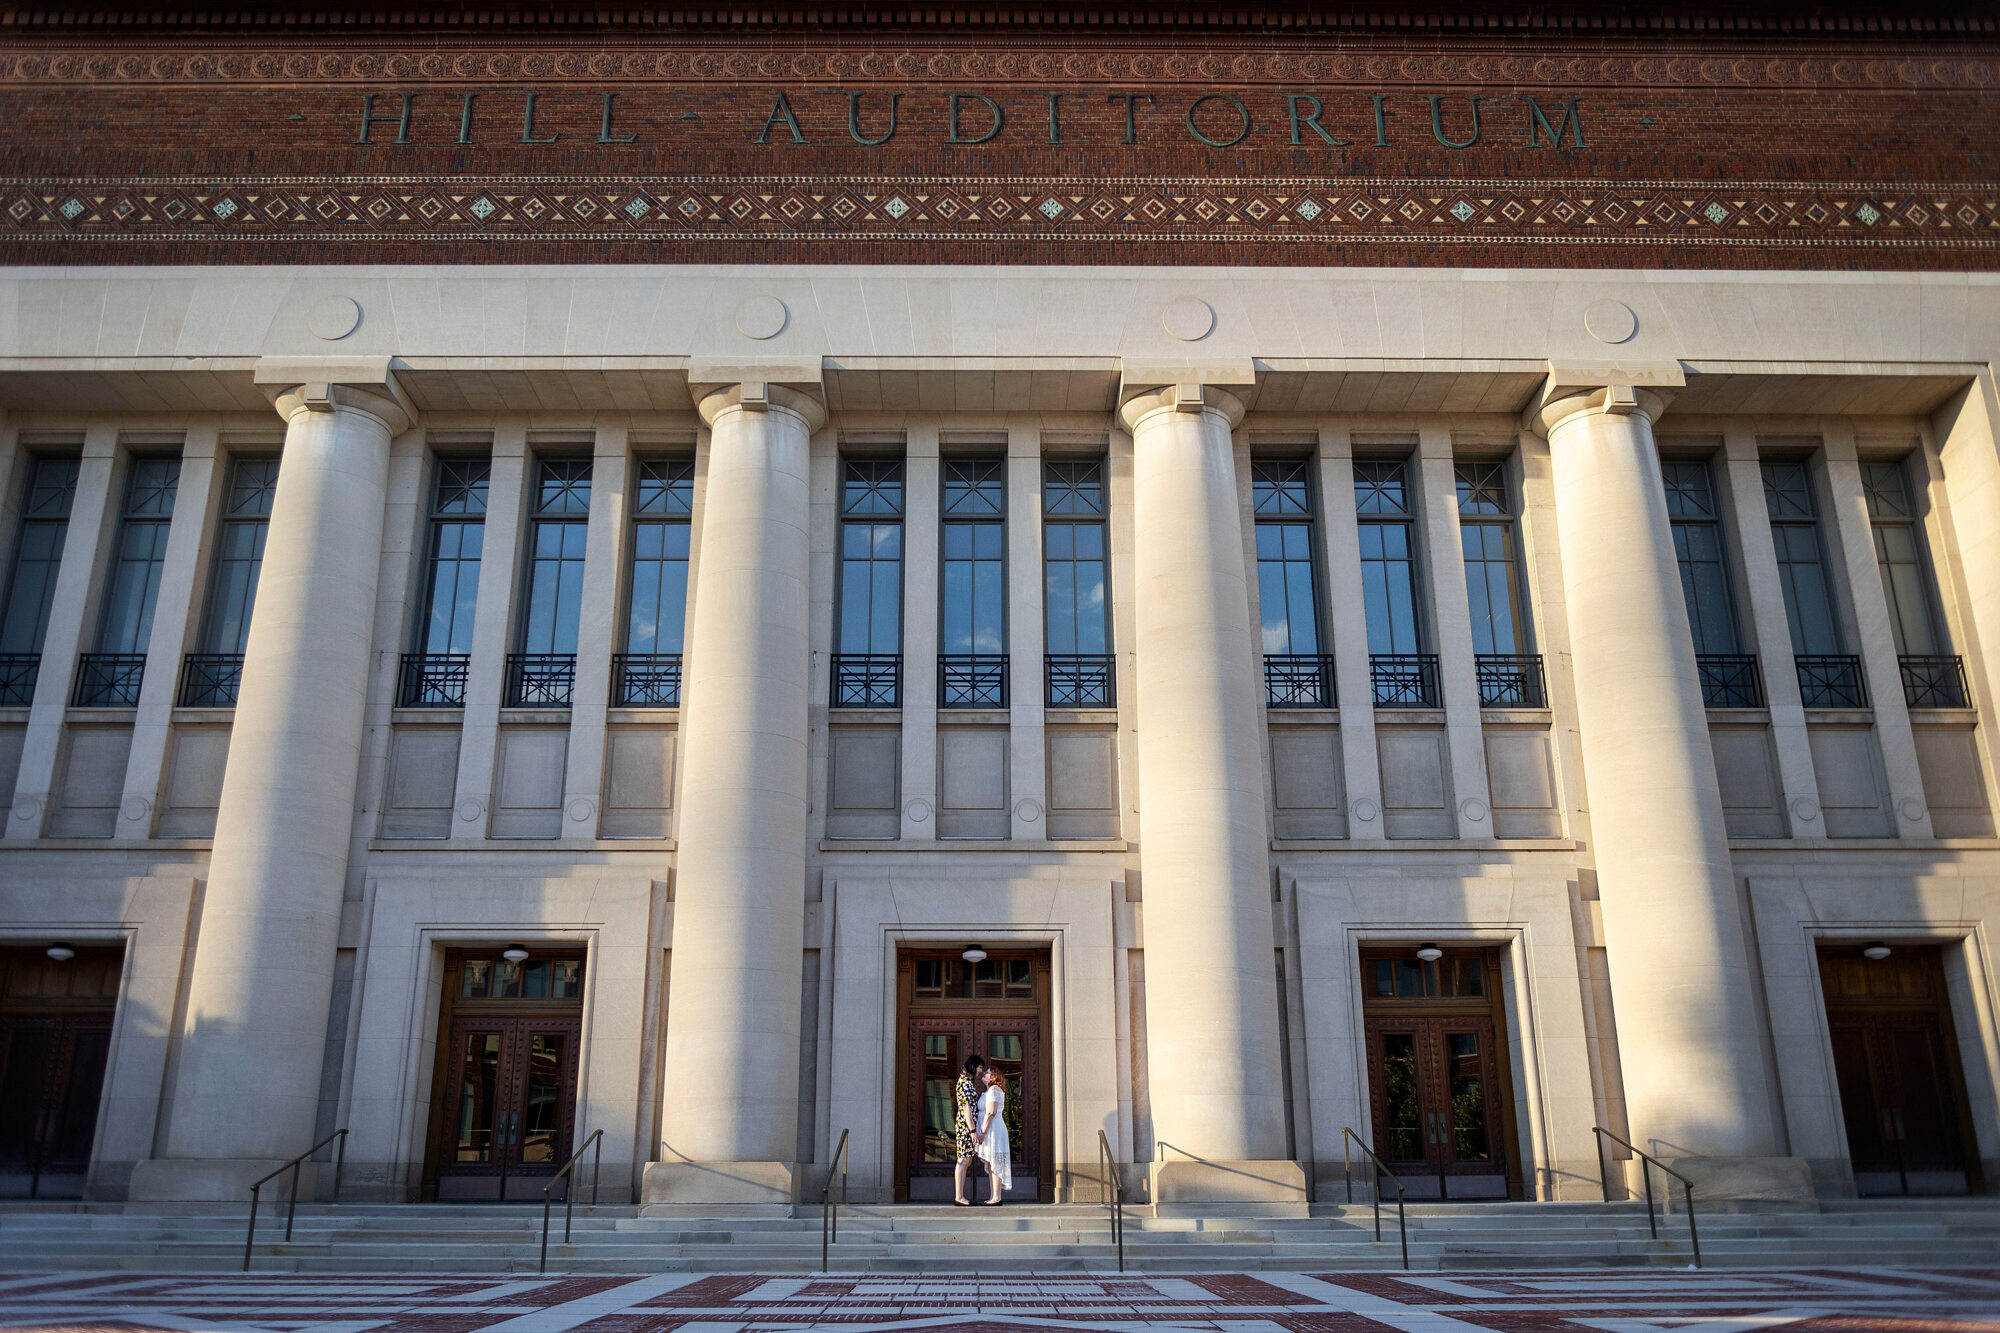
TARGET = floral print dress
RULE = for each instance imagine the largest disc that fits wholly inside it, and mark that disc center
(967, 1097)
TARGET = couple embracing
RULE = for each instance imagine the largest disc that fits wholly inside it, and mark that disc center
(982, 1129)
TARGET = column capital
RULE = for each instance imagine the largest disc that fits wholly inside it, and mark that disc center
(316, 384)
(1609, 390)
(761, 396)
(1192, 398)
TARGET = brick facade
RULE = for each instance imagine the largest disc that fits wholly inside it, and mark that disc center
(1797, 150)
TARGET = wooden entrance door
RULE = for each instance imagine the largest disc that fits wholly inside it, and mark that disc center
(55, 1040)
(1902, 1094)
(952, 1009)
(1437, 1075)
(504, 1115)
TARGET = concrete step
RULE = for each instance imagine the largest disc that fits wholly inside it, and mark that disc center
(498, 1239)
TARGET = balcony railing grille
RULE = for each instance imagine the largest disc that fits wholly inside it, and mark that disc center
(432, 680)
(972, 680)
(867, 680)
(211, 680)
(1831, 680)
(1298, 680)
(1730, 680)
(17, 678)
(1404, 680)
(108, 680)
(1935, 680)
(1081, 680)
(540, 680)
(646, 680)
(1511, 680)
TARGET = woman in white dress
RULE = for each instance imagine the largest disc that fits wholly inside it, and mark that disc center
(994, 1149)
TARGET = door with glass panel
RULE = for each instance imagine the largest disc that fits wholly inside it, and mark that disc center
(505, 1110)
(954, 1008)
(55, 1041)
(1437, 1075)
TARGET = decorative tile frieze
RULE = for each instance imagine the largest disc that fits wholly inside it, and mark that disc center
(1298, 210)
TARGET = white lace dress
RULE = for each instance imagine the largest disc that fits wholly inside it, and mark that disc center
(995, 1152)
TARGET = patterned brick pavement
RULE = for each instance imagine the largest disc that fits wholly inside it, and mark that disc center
(1846, 1300)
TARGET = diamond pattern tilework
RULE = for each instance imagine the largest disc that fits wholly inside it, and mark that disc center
(1642, 1300)
(1942, 219)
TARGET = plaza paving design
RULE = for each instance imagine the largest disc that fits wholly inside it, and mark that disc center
(1819, 1300)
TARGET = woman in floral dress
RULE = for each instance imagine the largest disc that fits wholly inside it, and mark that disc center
(966, 1123)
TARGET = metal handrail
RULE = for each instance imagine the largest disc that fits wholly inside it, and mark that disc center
(1107, 1163)
(829, 1214)
(1381, 1169)
(1646, 1163)
(569, 1195)
(339, 1160)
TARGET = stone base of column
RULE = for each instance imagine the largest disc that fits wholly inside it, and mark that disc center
(1184, 1187)
(211, 1180)
(1736, 1182)
(671, 1184)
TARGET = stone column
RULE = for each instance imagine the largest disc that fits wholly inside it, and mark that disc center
(729, 1128)
(1697, 1088)
(248, 1086)
(1216, 1084)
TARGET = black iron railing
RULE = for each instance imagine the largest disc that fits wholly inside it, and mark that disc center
(1404, 680)
(1512, 680)
(108, 680)
(1381, 1168)
(17, 678)
(867, 680)
(1730, 680)
(566, 1176)
(540, 680)
(645, 680)
(211, 680)
(1931, 680)
(432, 680)
(1081, 680)
(1111, 1193)
(1646, 1164)
(829, 1210)
(338, 1136)
(972, 680)
(1831, 680)
(1298, 680)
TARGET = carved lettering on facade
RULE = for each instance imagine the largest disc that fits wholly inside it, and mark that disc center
(1215, 120)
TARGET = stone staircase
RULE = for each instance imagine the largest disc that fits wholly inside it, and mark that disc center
(443, 1238)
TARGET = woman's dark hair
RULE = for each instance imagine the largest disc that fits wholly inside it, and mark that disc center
(974, 1063)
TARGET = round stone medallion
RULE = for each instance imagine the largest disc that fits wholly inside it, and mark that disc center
(1805, 808)
(918, 810)
(762, 317)
(1911, 808)
(581, 809)
(1189, 319)
(1029, 811)
(1610, 321)
(1365, 810)
(1473, 809)
(334, 318)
